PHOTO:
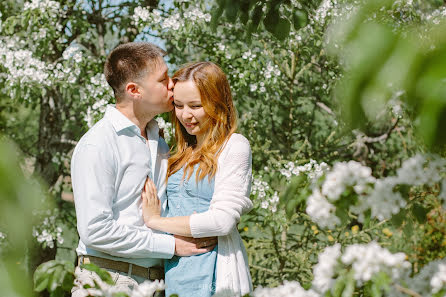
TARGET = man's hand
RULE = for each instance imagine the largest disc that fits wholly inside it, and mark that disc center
(188, 246)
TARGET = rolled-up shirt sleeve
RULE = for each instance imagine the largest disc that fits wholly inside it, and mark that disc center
(232, 189)
(93, 172)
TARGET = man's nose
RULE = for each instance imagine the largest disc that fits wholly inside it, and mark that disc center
(170, 84)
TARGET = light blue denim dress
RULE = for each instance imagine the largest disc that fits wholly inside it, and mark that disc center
(190, 276)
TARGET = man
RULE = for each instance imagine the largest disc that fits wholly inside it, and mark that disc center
(109, 167)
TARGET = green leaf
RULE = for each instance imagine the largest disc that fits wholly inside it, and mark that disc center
(420, 213)
(300, 19)
(102, 273)
(231, 10)
(398, 219)
(339, 286)
(43, 274)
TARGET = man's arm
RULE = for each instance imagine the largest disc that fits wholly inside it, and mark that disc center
(93, 177)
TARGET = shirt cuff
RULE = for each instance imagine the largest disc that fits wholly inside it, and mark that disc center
(163, 247)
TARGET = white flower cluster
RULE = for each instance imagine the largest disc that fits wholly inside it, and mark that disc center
(312, 169)
(47, 232)
(195, 14)
(383, 201)
(259, 188)
(436, 16)
(271, 203)
(344, 175)
(147, 288)
(288, 289)
(323, 271)
(223, 49)
(378, 196)
(45, 6)
(438, 281)
(262, 192)
(369, 259)
(324, 10)
(21, 66)
(270, 69)
(167, 128)
(73, 52)
(102, 289)
(321, 211)
(142, 14)
(174, 21)
(248, 55)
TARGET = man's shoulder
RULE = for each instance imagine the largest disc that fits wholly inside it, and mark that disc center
(99, 134)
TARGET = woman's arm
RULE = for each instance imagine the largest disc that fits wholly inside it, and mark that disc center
(229, 201)
(151, 207)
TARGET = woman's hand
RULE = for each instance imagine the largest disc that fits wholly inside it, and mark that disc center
(151, 205)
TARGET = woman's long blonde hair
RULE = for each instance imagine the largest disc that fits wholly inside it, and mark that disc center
(216, 100)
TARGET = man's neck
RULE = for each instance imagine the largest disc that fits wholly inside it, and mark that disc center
(139, 120)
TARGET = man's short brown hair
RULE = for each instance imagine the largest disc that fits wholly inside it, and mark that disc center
(129, 61)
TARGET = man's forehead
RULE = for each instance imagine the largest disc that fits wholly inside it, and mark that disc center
(159, 66)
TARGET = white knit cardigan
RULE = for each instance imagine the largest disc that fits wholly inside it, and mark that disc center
(230, 200)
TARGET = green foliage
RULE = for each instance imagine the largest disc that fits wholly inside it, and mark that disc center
(277, 16)
(56, 277)
(19, 197)
(383, 60)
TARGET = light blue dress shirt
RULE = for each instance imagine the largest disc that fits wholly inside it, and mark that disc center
(108, 169)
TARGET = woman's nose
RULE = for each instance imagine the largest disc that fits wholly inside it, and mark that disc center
(186, 113)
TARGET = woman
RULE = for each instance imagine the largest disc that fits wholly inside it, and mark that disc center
(209, 182)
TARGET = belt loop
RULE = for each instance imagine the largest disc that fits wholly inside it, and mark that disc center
(130, 269)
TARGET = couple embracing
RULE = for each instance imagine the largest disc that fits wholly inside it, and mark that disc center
(143, 214)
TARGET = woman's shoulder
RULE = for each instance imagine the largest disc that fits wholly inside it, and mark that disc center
(236, 144)
(238, 139)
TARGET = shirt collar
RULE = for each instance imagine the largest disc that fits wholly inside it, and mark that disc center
(117, 119)
(121, 122)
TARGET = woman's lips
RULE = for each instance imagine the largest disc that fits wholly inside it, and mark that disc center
(190, 125)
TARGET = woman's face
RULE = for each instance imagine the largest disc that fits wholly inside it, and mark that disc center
(188, 108)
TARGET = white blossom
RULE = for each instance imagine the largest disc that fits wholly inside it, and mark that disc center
(369, 259)
(167, 128)
(147, 288)
(141, 14)
(288, 289)
(196, 14)
(323, 271)
(345, 174)
(172, 22)
(45, 6)
(313, 170)
(383, 201)
(321, 211)
(438, 281)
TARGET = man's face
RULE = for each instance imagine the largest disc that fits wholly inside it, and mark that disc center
(156, 90)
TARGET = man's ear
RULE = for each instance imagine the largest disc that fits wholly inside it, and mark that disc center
(132, 89)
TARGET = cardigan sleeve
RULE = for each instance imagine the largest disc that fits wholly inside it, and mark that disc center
(231, 191)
